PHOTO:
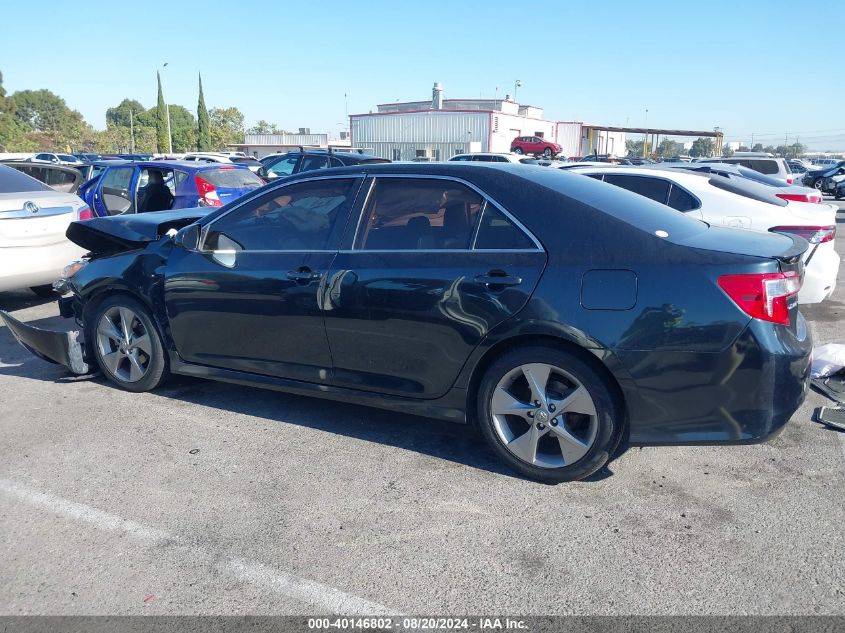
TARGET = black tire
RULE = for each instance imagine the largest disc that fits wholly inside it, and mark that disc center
(157, 365)
(818, 184)
(45, 292)
(547, 153)
(517, 150)
(609, 412)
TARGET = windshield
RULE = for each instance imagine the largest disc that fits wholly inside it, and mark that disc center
(13, 181)
(231, 178)
(240, 160)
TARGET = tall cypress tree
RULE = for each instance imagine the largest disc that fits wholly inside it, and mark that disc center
(162, 142)
(203, 125)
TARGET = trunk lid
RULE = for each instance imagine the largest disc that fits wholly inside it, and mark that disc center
(36, 218)
(787, 249)
(126, 232)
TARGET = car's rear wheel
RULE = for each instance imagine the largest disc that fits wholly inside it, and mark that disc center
(127, 345)
(517, 150)
(548, 414)
(818, 184)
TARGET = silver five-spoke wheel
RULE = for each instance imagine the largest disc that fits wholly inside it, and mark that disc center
(124, 344)
(543, 415)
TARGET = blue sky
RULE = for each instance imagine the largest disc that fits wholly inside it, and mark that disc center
(744, 66)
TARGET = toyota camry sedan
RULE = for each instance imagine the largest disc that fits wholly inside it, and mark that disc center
(560, 314)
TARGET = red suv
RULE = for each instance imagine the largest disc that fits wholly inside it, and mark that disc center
(534, 145)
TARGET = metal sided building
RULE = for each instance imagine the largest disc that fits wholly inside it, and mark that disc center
(440, 128)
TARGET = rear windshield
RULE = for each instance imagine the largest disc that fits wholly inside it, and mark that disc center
(243, 161)
(13, 181)
(747, 189)
(231, 178)
(755, 175)
(631, 208)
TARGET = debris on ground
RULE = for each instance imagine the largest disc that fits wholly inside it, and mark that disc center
(833, 417)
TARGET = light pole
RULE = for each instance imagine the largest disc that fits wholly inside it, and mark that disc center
(167, 112)
(516, 84)
(645, 140)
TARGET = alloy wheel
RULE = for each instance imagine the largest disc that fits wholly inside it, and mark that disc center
(124, 344)
(544, 416)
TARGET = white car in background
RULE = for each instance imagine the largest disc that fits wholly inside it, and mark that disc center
(219, 157)
(33, 222)
(741, 204)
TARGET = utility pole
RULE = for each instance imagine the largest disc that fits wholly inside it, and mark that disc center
(752, 142)
(167, 111)
(131, 131)
(645, 140)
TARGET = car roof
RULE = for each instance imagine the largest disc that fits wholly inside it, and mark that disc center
(182, 164)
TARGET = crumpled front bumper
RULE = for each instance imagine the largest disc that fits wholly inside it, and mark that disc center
(55, 346)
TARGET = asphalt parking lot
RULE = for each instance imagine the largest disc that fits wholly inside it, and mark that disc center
(207, 498)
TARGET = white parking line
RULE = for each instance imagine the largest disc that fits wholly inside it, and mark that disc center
(82, 512)
(328, 598)
(325, 598)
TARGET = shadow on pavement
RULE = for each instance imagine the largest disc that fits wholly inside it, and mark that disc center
(457, 443)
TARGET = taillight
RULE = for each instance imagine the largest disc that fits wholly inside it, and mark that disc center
(208, 193)
(85, 213)
(800, 197)
(789, 181)
(813, 234)
(763, 295)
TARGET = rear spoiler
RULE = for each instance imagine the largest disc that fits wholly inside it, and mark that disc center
(127, 232)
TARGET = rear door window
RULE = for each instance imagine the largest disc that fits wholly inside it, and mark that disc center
(418, 214)
(655, 188)
(498, 232)
(114, 189)
(681, 200)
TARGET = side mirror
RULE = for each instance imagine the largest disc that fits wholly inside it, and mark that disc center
(188, 238)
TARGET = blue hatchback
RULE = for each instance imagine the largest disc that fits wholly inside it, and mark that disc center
(137, 187)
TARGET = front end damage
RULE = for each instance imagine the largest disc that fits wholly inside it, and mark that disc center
(56, 346)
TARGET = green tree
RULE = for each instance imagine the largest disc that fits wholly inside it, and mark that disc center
(727, 151)
(263, 127)
(203, 124)
(796, 150)
(758, 147)
(10, 132)
(162, 138)
(702, 147)
(669, 147)
(227, 127)
(634, 148)
(770, 149)
(119, 115)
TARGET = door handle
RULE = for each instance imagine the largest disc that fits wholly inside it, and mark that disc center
(498, 278)
(304, 275)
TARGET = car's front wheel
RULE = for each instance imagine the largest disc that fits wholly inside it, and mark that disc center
(517, 150)
(818, 184)
(548, 414)
(547, 153)
(127, 345)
